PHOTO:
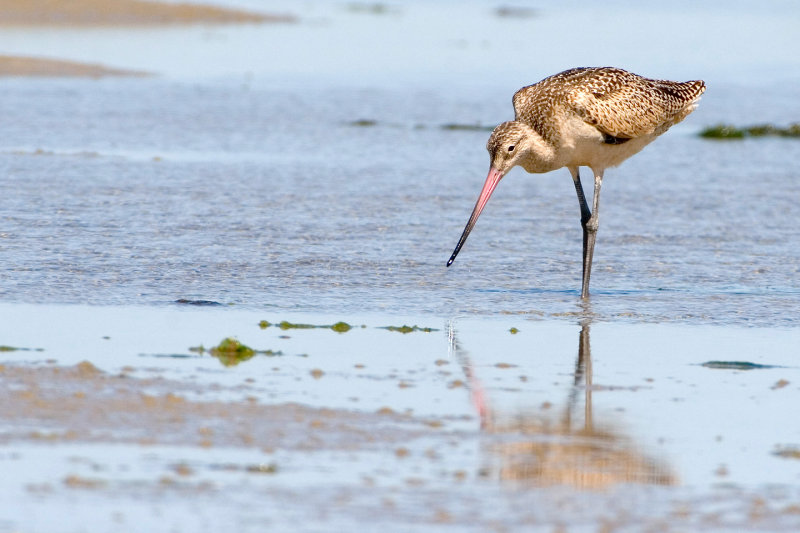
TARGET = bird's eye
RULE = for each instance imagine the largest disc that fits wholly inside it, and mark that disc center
(511, 148)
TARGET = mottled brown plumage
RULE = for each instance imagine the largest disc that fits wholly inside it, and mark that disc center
(593, 116)
(618, 103)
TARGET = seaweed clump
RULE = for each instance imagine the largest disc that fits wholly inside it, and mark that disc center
(4, 348)
(727, 131)
(466, 127)
(722, 131)
(363, 123)
(339, 327)
(231, 352)
(289, 325)
(408, 329)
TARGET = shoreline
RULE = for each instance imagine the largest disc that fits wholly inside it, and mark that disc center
(12, 66)
(103, 14)
(121, 13)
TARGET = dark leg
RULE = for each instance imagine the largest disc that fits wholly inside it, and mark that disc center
(585, 353)
(583, 376)
(585, 213)
(589, 223)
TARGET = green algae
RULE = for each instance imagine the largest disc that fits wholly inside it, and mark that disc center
(722, 131)
(408, 329)
(231, 352)
(793, 130)
(727, 131)
(762, 130)
(466, 127)
(363, 123)
(339, 327)
(286, 325)
(5, 348)
(449, 126)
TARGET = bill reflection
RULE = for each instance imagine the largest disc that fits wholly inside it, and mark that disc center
(565, 443)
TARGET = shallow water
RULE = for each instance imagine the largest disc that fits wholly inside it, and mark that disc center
(157, 190)
(304, 172)
(257, 189)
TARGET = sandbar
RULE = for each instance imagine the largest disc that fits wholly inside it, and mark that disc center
(82, 403)
(122, 13)
(19, 66)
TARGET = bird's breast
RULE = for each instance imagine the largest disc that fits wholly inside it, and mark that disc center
(581, 144)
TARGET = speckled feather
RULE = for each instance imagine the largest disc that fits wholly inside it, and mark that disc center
(616, 102)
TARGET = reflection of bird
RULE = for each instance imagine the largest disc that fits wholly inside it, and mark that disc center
(539, 449)
(595, 117)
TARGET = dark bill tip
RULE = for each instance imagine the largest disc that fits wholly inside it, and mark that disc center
(491, 182)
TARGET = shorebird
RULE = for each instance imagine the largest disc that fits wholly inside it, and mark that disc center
(595, 117)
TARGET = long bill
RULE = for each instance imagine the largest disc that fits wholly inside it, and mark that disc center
(488, 188)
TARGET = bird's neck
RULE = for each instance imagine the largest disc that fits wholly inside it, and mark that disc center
(540, 156)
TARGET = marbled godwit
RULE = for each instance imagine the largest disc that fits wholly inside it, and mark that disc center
(594, 117)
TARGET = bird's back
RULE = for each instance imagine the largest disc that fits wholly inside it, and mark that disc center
(618, 103)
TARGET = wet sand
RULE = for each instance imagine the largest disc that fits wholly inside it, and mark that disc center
(81, 403)
(115, 449)
(129, 425)
(40, 67)
(122, 440)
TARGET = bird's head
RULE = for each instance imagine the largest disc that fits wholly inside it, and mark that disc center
(510, 144)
